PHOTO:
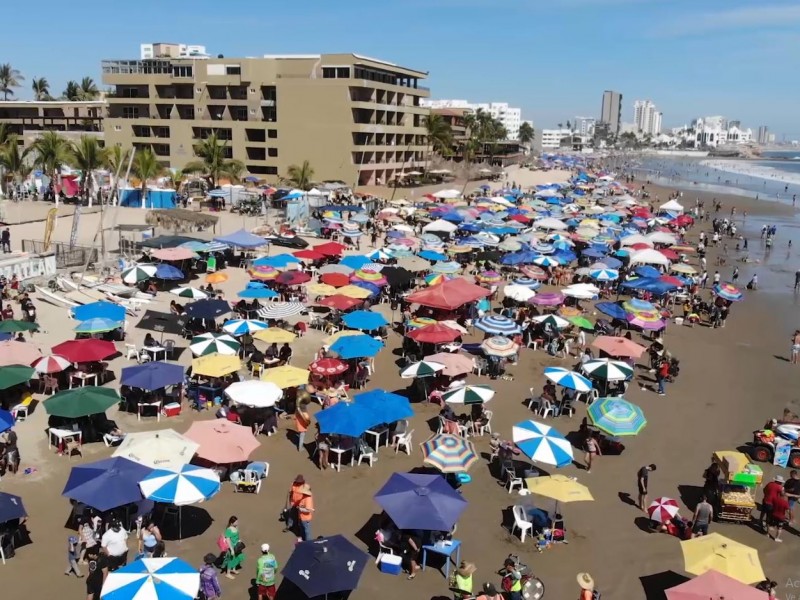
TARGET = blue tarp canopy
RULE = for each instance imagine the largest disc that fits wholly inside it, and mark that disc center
(242, 239)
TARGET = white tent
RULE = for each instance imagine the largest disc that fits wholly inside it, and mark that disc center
(662, 237)
(440, 225)
(649, 257)
(671, 206)
(447, 194)
(635, 238)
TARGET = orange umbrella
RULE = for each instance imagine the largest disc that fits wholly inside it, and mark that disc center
(217, 277)
(618, 346)
(222, 442)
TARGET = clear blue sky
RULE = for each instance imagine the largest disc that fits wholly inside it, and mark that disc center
(553, 58)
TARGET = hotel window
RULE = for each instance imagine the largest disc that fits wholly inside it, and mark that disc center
(272, 133)
(130, 112)
(272, 152)
(336, 72)
(182, 71)
(233, 70)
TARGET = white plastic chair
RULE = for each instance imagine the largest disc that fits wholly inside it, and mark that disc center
(404, 441)
(512, 481)
(532, 399)
(486, 427)
(440, 430)
(169, 346)
(568, 407)
(545, 407)
(521, 523)
(132, 352)
(370, 456)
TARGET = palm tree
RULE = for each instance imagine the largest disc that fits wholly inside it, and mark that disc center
(52, 152)
(526, 133)
(145, 167)
(213, 163)
(41, 88)
(88, 89)
(16, 165)
(300, 176)
(73, 91)
(116, 159)
(560, 126)
(88, 155)
(10, 78)
(439, 135)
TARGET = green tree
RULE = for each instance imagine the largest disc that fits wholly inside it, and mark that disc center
(72, 92)
(116, 159)
(526, 133)
(439, 135)
(300, 176)
(10, 78)
(51, 153)
(16, 165)
(213, 163)
(569, 125)
(41, 88)
(88, 156)
(88, 89)
(146, 166)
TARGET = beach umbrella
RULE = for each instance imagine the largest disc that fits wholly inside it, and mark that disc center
(15, 326)
(214, 343)
(152, 375)
(328, 367)
(435, 333)
(662, 510)
(86, 350)
(189, 292)
(222, 442)
(357, 346)
(335, 268)
(650, 321)
(7, 421)
(279, 261)
(387, 406)
(449, 453)
(188, 484)
(681, 268)
(217, 277)
(11, 375)
(552, 320)
(281, 310)
(263, 273)
(275, 335)
(519, 293)
(173, 254)
(437, 278)
(541, 443)
(321, 289)
(713, 585)
(647, 271)
(454, 364)
(546, 261)
(347, 418)
(138, 274)
(528, 282)
(419, 322)
(582, 322)
(162, 322)
(635, 305)
(335, 279)
(568, 379)
(292, 278)
(728, 292)
(548, 299)
(326, 565)
(237, 327)
(260, 293)
(612, 309)
(51, 364)
(618, 346)
(607, 369)
(432, 255)
(215, 365)
(489, 277)
(560, 488)
(152, 579)
(98, 325)
(604, 275)
(11, 508)
(397, 276)
(581, 291)
(106, 484)
(447, 268)
(722, 554)
(163, 449)
(207, 309)
(364, 320)
(102, 309)
(421, 501)
(499, 346)
(254, 393)
(617, 416)
(498, 325)
(81, 402)
(469, 394)
(167, 271)
(423, 368)
(286, 376)
(340, 302)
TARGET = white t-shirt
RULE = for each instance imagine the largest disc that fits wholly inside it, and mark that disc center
(115, 542)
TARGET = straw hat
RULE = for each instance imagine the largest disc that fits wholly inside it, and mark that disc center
(585, 581)
(466, 569)
(305, 490)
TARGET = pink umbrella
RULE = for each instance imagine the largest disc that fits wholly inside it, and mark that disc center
(173, 254)
(547, 299)
(647, 320)
(663, 509)
(454, 364)
(713, 585)
(13, 352)
(51, 364)
(222, 442)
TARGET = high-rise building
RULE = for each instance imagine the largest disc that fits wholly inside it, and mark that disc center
(611, 111)
(353, 118)
(763, 134)
(584, 126)
(510, 117)
(646, 117)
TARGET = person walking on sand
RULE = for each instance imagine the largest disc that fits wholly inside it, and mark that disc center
(778, 515)
(592, 450)
(266, 569)
(586, 584)
(796, 280)
(292, 501)
(301, 420)
(795, 346)
(641, 482)
(306, 511)
(703, 514)
(209, 580)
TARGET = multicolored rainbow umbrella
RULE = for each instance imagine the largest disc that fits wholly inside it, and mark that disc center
(449, 453)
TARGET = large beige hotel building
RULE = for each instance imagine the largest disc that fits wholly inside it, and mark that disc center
(355, 119)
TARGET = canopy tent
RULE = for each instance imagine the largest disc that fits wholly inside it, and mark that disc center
(449, 295)
(242, 239)
(671, 206)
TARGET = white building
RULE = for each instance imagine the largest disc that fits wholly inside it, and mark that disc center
(646, 117)
(715, 131)
(172, 50)
(510, 117)
(584, 126)
(551, 138)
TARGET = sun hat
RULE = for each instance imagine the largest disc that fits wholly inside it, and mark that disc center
(299, 480)
(264, 548)
(779, 479)
(305, 490)
(585, 581)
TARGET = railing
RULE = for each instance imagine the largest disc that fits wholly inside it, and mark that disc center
(65, 256)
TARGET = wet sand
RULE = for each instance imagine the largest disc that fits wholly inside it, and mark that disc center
(731, 381)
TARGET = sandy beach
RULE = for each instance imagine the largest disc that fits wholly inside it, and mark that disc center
(732, 380)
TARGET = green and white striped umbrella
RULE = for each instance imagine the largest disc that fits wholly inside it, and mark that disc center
(607, 369)
(469, 394)
(210, 343)
(138, 273)
(423, 368)
(189, 292)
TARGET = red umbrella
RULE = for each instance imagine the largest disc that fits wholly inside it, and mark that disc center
(449, 295)
(293, 278)
(642, 212)
(308, 255)
(662, 509)
(671, 280)
(87, 350)
(639, 246)
(434, 334)
(328, 366)
(335, 279)
(520, 218)
(670, 254)
(533, 272)
(713, 585)
(330, 249)
(340, 302)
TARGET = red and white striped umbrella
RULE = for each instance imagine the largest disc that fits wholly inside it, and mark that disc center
(51, 364)
(663, 509)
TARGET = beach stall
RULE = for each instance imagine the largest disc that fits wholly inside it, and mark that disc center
(739, 479)
(156, 198)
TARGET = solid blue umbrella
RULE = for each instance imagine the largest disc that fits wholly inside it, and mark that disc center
(611, 262)
(325, 565)
(593, 253)
(348, 418)
(647, 271)
(97, 324)
(7, 420)
(355, 261)
(470, 227)
(365, 320)
(612, 309)
(260, 293)
(356, 346)
(419, 501)
(99, 310)
(207, 309)
(519, 258)
(166, 271)
(11, 507)
(152, 375)
(373, 289)
(106, 484)
(431, 255)
(387, 406)
(279, 261)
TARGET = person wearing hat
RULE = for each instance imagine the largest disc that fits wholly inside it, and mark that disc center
(586, 583)
(209, 579)
(266, 568)
(512, 580)
(489, 593)
(292, 501)
(462, 580)
(771, 491)
(305, 508)
(778, 515)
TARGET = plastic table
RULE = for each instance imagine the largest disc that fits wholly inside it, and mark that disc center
(446, 550)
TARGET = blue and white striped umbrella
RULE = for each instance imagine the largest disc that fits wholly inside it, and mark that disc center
(374, 267)
(153, 579)
(568, 379)
(497, 325)
(542, 443)
(431, 244)
(189, 485)
(237, 327)
(379, 254)
(528, 282)
(546, 261)
(604, 275)
(448, 268)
